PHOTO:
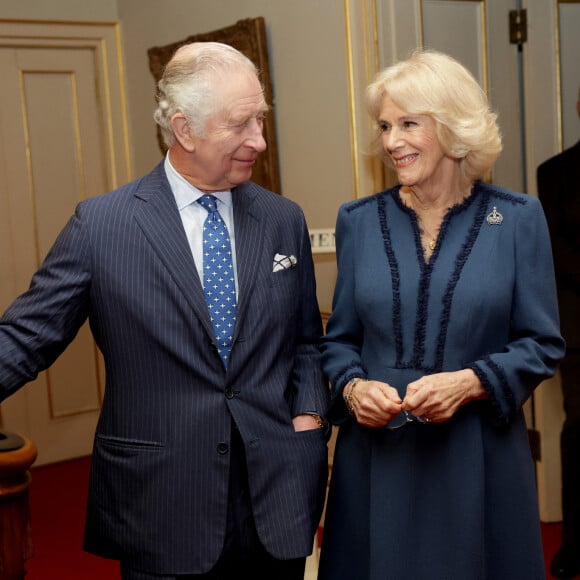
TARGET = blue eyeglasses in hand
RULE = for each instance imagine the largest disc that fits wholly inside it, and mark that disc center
(404, 418)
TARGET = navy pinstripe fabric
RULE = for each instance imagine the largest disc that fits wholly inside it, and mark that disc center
(158, 490)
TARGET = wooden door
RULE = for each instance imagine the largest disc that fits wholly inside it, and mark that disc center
(63, 138)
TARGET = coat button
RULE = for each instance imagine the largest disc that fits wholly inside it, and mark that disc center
(222, 448)
(229, 393)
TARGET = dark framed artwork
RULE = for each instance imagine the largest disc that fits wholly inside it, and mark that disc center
(249, 37)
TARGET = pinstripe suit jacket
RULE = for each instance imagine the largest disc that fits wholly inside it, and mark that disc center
(159, 477)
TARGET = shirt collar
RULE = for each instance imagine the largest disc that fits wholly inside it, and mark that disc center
(185, 193)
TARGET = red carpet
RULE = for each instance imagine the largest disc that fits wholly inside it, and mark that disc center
(58, 496)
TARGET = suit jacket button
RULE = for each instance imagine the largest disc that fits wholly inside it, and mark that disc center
(222, 448)
(229, 394)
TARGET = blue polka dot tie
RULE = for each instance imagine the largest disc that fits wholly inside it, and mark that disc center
(219, 284)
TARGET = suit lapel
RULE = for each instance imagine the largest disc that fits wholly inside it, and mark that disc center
(249, 232)
(161, 223)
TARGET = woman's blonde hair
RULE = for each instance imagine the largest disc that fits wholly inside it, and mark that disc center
(435, 84)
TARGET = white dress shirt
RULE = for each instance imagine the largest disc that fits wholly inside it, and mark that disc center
(193, 215)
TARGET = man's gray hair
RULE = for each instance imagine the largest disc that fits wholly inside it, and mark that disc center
(190, 84)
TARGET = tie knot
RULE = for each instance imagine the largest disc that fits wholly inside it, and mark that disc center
(209, 202)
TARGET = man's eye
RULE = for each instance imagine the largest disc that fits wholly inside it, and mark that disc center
(246, 122)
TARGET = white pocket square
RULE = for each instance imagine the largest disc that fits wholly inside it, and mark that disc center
(283, 262)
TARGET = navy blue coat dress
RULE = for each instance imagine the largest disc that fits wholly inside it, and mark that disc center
(454, 500)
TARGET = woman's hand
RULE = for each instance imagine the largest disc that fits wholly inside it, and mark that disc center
(374, 403)
(438, 397)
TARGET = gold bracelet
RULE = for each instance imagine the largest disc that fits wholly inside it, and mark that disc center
(347, 393)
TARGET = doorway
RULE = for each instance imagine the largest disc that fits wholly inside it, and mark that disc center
(63, 139)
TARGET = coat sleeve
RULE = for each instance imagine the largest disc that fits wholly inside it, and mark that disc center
(40, 323)
(535, 344)
(341, 355)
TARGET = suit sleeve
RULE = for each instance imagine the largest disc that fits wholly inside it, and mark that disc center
(40, 323)
(310, 386)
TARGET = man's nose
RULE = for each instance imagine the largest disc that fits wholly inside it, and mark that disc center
(256, 135)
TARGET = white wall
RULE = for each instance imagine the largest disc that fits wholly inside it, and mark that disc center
(94, 10)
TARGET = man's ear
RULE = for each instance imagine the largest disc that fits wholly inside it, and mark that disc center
(183, 132)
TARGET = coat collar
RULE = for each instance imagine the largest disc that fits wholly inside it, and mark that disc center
(161, 223)
(249, 228)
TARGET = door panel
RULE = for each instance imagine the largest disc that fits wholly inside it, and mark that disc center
(60, 144)
(552, 82)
